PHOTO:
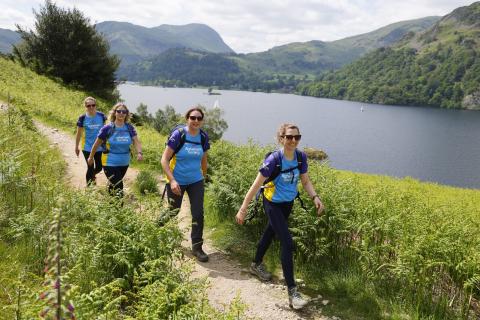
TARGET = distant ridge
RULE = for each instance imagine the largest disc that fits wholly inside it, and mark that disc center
(439, 67)
(7, 39)
(134, 43)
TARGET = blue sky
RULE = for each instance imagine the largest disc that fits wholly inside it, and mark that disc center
(248, 25)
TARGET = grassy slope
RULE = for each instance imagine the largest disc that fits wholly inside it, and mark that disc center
(49, 100)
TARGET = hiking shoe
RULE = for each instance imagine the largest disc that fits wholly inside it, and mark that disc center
(260, 271)
(295, 299)
(198, 252)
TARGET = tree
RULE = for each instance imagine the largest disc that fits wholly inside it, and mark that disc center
(214, 123)
(65, 45)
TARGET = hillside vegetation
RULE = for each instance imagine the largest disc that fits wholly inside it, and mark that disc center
(280, 68)
(439, 67)
(384, 249)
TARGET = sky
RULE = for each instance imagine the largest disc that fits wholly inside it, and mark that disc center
(247, 25)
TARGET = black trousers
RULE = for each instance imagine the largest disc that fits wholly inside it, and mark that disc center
(278, 214)
(195, 193)
(115, 178)
(95, 168)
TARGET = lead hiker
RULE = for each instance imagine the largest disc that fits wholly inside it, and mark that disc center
(115, 139)
(184, 163)
(277, 180)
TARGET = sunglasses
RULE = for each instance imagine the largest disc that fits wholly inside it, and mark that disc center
(121, 111)
(193, 118)
(90, 105)
(297, 137)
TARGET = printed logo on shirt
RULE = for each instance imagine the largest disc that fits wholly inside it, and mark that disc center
(193, 150)
(94, 126)
(288, 177)
(122, 139)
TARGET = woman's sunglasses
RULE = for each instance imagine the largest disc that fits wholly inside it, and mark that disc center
(90, 105)
(297, 137)
(193, 118)
(121, 111)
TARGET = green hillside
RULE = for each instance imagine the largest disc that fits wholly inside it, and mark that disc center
(133, 43)
(385, 248)
(280, 68)
(7, 39)
(318, 56)
(439, 67)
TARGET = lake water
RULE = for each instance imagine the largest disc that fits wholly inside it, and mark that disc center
(425, 143)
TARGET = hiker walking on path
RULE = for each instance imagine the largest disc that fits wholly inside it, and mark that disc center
(184, 163)
(280, 172)
(88, 126)
(116, 138)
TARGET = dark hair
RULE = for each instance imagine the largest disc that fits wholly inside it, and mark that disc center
(194, 109)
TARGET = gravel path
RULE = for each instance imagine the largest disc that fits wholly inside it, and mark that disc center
(226, 278)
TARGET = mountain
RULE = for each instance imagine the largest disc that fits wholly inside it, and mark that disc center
(280, 68)
(133, 43)
(439, 67)
(7, 39)
(318, 56)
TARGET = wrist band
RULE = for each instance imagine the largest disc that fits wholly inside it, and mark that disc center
(315, 196)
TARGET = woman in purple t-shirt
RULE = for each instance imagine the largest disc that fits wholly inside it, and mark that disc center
(278, 197)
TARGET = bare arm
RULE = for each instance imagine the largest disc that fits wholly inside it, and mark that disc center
(308, 186)
(78, 136)
(166, 156)
(138, 147)
(95, 146)
(257, 184)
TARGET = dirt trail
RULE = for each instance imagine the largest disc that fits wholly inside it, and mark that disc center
(227, 278)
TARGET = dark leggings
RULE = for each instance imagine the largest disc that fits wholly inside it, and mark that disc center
(115, 178)
(195, 193)
(95, 168)
(278, 225)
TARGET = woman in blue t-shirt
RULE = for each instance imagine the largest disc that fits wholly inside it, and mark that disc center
(116, 138)
(88, 126)
(184, 162)
(278, 197)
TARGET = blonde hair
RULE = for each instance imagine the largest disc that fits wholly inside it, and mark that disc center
(112, 115)
(87, 99)
(283, 128)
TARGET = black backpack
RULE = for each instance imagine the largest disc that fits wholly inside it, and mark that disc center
(276, 172)
(183, 138)
(110, 132)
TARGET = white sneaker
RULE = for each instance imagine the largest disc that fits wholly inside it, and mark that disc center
(295, 299)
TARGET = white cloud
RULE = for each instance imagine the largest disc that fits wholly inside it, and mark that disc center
(248, 25)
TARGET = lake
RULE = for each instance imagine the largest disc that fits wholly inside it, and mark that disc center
(428, 144)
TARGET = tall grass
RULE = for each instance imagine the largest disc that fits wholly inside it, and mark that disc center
(116, 261)
(422, 251)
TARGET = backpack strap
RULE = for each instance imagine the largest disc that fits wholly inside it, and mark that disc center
(81, 120)
(183, 138)
(277, 156)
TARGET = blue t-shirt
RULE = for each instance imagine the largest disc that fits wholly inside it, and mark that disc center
(186, 164)
(284, 187)
(118, 141)
(91, 126)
